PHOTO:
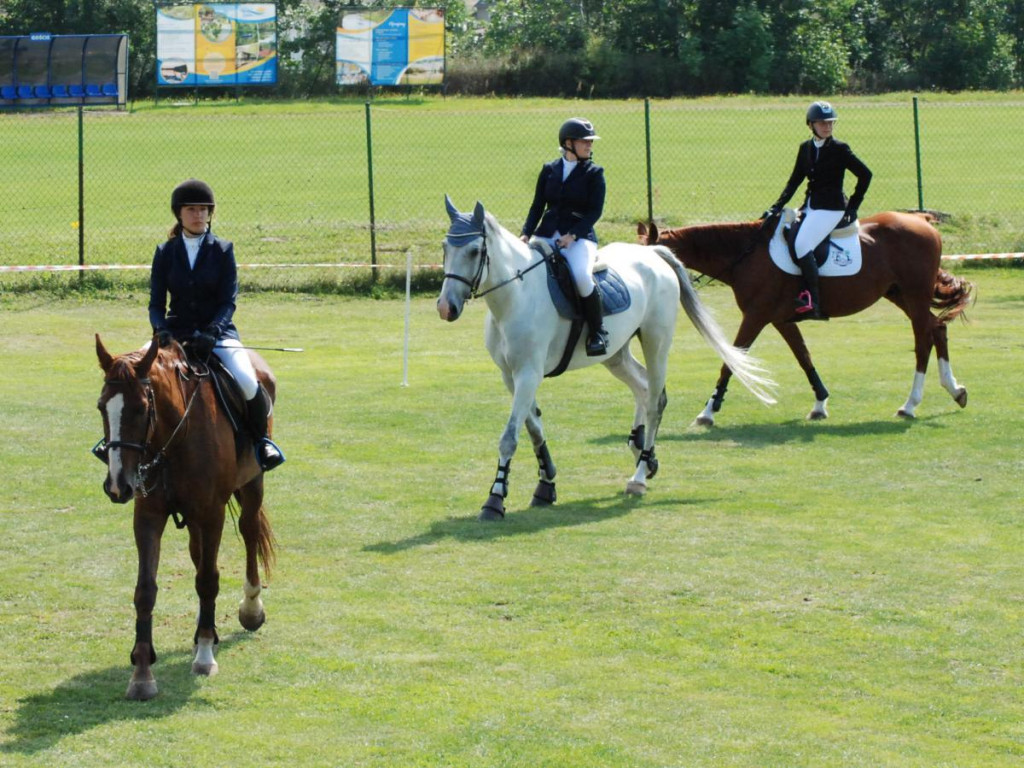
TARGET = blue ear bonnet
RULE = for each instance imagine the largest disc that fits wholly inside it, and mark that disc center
(465, 226)
(463, 229)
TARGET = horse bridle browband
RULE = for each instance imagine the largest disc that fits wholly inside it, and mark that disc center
(474, 284)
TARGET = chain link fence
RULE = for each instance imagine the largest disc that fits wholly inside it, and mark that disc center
(313, 187)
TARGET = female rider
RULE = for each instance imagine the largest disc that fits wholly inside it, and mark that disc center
(198, 270)
(822, 160)
(567, 202)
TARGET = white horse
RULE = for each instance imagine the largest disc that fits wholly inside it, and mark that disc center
(527, 338)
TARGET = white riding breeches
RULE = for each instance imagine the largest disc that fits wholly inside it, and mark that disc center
(236, 359)
(581, 256)
(816, 226)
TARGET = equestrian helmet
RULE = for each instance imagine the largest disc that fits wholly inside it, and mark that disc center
(191, 192)
(821, 110)
(576, 128)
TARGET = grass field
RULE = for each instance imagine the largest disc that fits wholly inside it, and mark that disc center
(293, 178)
(843, 593)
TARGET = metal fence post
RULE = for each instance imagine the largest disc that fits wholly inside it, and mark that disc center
(647, 131)
(81, 195)
(917, 147)
(373, 220)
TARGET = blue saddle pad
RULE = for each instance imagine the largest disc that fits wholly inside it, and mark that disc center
(615, 296)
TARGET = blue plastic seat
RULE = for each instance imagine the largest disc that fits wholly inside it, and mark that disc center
(76, 91)
(60, 91)
(43, 92)
(109, 89)
(91, 89)
(8, 92)
(24, 91)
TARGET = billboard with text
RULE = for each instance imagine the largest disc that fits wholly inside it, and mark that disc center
(396, 46)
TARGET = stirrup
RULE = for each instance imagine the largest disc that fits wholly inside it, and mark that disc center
(597, 344)
(804, 302)
(268, 455)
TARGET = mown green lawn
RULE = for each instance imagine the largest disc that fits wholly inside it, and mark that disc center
(842, 593)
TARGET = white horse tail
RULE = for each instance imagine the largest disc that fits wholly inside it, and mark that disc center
(744, 366)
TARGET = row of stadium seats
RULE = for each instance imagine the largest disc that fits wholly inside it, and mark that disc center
(74, 91)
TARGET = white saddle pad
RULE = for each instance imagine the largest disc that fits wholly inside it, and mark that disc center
(844, 255)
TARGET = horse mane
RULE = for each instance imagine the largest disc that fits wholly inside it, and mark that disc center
(711, 247)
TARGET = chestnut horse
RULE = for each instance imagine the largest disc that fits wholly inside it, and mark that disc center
(901, 255)
(169, 446)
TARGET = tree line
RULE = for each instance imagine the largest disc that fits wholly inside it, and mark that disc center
(630, 48)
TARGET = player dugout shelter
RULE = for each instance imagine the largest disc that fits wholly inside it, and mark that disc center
(41, 70)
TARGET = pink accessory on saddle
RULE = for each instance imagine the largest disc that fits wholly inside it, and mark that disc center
(804, 300)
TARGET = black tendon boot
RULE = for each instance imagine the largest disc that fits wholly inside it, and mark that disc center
(268, 455)
(809, 309)
(597, 338)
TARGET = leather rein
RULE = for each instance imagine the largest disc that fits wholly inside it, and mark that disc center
(474, 284)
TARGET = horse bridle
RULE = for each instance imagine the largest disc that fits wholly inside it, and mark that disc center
(102, 448)
(474, 284)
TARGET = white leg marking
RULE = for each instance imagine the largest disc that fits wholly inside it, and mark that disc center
(947, 378)
(706, 418)
(916, 393)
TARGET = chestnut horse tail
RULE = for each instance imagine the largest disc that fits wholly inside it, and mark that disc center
(952, 296)
(266, 541)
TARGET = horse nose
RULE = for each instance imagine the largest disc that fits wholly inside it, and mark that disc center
(118, 493)
(447, 311)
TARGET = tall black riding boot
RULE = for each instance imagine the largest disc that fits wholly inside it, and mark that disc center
(268, 455)
(812, 309)
(597, 339)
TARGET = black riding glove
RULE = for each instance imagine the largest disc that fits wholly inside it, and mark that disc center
(202, 344)
(848, 218)
(772, 212)
(163, 337)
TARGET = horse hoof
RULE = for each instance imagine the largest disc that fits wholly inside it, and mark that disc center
(634, 488)
(205, 668)
(961, 397)
(493, 508)
(141, 690)
(543, 495)
(251, 622)
(904, 414)
(703, 421)
(817, 416)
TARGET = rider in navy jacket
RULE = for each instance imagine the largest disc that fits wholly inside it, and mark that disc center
(823, 161)
(197, 269)
(567, 202)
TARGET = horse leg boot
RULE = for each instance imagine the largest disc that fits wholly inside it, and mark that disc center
(268, 455)
(597, 338)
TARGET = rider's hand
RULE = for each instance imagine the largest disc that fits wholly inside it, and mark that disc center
(202, 344)
(848, 218)
(163, 337)
(566, 240)
(775, 210)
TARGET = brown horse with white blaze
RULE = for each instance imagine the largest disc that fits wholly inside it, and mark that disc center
(901, 258)
(169, 446)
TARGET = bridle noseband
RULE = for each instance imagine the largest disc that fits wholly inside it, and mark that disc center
(102, 448)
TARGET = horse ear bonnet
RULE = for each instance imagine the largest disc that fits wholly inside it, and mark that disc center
(465, 226)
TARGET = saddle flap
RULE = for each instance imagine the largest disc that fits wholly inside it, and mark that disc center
(229, 393)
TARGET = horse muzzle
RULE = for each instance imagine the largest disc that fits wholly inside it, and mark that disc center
(121, 493)
(447, 310)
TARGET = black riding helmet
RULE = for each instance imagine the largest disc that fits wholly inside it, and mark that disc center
(191, 192)
(821, 110)
(576, 128)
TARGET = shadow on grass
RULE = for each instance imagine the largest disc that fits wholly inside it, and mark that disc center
(792, 431)
(529, 520)
(94, 699)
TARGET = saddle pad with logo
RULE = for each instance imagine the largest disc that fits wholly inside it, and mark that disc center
(844, 253)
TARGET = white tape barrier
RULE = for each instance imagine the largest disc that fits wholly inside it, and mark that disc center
(100, 267)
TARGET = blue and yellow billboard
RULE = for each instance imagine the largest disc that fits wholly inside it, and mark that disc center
(216, 44)
(397, 46)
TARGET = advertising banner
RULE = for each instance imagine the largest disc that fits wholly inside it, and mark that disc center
(398, 46)
(216, 44)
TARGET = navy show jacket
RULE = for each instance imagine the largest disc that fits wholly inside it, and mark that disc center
(824, 168)
(202, 297)
(572, 207)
